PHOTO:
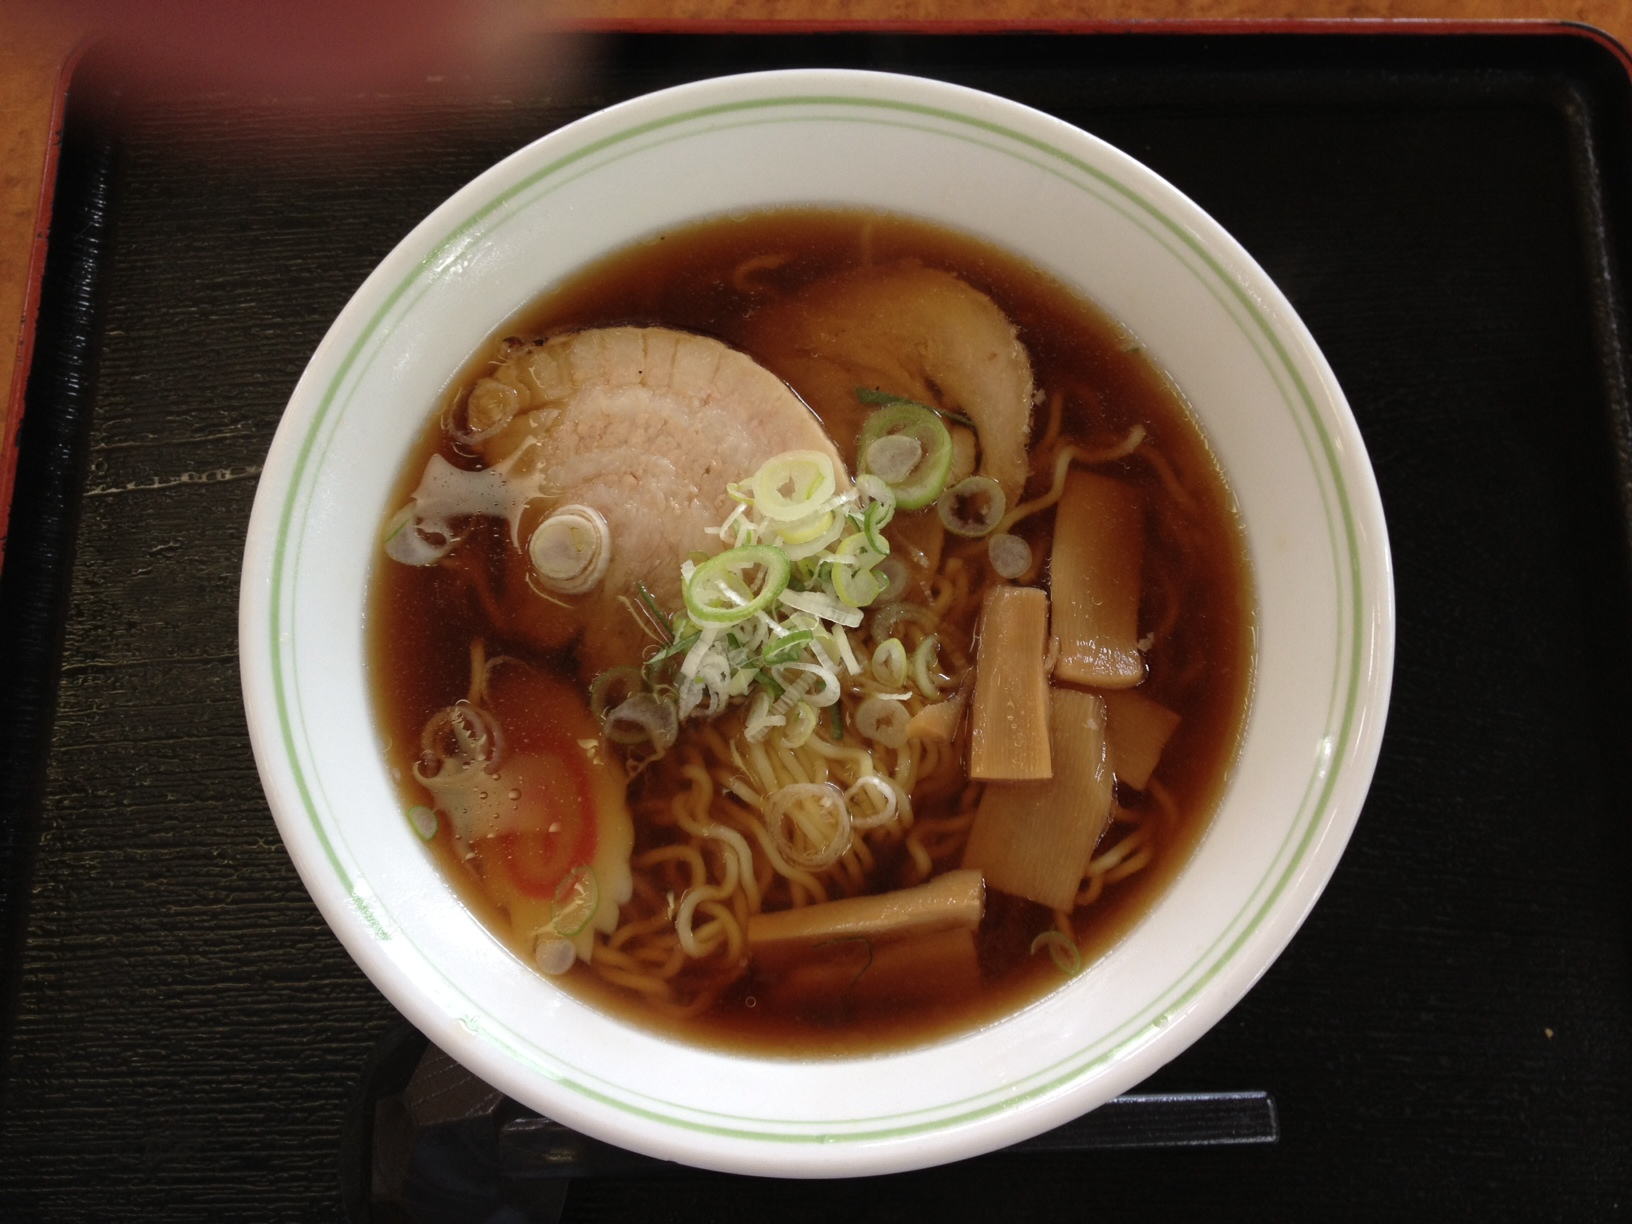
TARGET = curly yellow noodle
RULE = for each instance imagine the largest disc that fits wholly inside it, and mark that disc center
(1056, 412)
(1089, 894)
(797, 876)
(643, 982)
(689, 855)
(1136, 863)
(790, 762)
(727, 921)
(657, 923)
(1063, 459)
(1102, 863)
(1170, 810)
(1169, 478)
(861, 760)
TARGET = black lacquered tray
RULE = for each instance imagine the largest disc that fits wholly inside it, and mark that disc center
(1450, 1036)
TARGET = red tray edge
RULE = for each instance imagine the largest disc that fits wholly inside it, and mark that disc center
(13, 421)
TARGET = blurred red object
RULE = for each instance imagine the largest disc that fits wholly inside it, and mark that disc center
(320, 52)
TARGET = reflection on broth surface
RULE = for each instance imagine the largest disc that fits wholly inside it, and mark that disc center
(811, 729)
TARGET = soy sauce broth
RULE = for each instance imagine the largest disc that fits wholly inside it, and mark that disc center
(713, 278)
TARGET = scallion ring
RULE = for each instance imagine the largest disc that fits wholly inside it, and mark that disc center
(973, 507)
(883, 792)
(883, 721)
(895, 574)
(810, 823)
(576, 899)
(571, 549)
(612, 688)
(1067, 959)
(922, 659)
(890, 663)
(793, 485)
(923, 481)
(424, 821)
(801, 722)
(645, 716)
(554, 955)
(721, 592)
(1009, 554)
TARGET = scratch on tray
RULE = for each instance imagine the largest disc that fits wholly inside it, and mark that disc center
(216, 476)
(151, 443)
(155, 660)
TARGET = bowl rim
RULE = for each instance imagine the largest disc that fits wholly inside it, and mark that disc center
(447, 234)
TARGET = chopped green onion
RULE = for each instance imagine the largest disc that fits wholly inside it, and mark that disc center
(842, 640)
(576, 899)
(889, 801)
(554, 954)
(876, 517)
(649, 601)
(801, 722)
(857, 550)
(1067, 958)
(803, 531)
(424, 821)
(787, 649)
(923, 481)
(835, 722)
(800, 689)
(717, 592)
(973, 507)
(895, 574)
(605, 692)
(890, 663)
(883, 720)
(762, 716)
(857, 588)
(645, 716)
(804, 549)
(793, 485)
(894, 456)
(676, 646)
(888, 617)
(824, 606)
(398, 521)
(921, 659)
(571, 549)
(1010, 555)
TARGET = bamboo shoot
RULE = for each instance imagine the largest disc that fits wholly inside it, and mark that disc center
(859, 972)
(1008, 737)
(952, 901)
(1136, 731)
(1031, 839)
(1094, 571)
(939, 722)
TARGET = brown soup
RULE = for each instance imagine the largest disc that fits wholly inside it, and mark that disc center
(732, 279)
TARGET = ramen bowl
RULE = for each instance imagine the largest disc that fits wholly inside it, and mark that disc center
(1084, 214)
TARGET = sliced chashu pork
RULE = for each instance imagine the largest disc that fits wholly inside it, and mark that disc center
(646, 426)
(907, 330)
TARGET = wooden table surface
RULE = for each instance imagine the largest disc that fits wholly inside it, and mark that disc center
(37, 44)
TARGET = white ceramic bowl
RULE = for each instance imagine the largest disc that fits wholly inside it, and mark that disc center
(1075, 207)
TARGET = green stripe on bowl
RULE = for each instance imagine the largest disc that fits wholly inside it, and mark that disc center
(1176, 237)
